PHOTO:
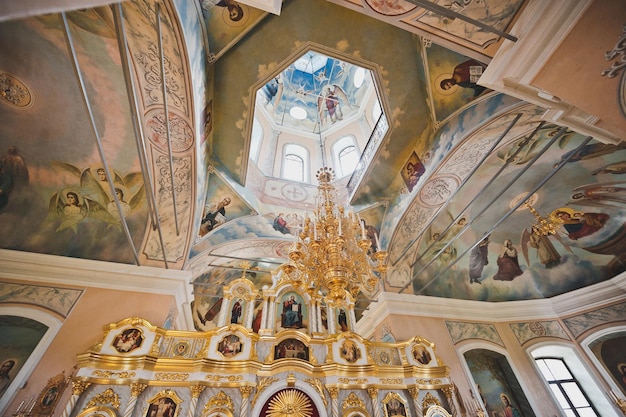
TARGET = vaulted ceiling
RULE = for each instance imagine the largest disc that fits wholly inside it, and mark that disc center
(155, 103)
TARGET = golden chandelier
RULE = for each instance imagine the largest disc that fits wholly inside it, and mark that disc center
(330, 256)
(544, 226)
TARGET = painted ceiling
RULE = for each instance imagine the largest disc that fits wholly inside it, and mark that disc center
(124, 162)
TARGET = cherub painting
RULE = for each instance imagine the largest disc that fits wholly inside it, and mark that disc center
(95, 196)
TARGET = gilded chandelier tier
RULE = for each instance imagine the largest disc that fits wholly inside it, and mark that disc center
(332, 255)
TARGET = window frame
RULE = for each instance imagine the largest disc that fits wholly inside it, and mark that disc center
(343, 143)
(296, 151)
(559, 384)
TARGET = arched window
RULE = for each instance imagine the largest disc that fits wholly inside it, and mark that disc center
(565, 387)
(571, 384)
(377, 111)
(256, 140)
(295, 163)
(346, 156)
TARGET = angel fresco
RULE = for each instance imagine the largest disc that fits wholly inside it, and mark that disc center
(608, 194)
(93, 198)
(329, 103)
(548, 256)
(590, 151)
(524, 149)
(615, 169)
(72, 207)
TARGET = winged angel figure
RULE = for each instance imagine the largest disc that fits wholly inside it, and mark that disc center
(329, 103)
(92, 197)
(546, 252)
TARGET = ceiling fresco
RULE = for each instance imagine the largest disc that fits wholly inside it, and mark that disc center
(314, 93)
(143, 159)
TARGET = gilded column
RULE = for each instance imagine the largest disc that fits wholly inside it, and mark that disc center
(245, 400)
(78, 387)
(334, 404)
(196, 390)
(415, 394)
(449, 391)
(373, 393)
(136, 389)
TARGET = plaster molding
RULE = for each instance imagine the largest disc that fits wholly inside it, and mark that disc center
(516, 64)
(52, 269)
(571, 303)
(272, 6)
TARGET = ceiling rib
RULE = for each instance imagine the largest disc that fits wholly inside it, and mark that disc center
(485, 187)
(167, 115)
(513, 209)
(429, 5)
(487, 206)
(153, 210)
(458, 189)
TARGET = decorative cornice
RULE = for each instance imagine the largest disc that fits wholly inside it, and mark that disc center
(571, 303)
(60, 270)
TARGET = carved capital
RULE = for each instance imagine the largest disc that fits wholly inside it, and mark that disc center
(196, 390)
(78, 387)
(246, 391)
(373, 393)
(448, 391)
(136, 388)
(333, 391)
(414, 391)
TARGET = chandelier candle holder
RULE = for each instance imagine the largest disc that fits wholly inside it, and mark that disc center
(544, 226)
(330, 256)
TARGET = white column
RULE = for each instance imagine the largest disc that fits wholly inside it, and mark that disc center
(373, 392)
(318, 311)
(313, 316)
(196, 390)
(330, 315)
(245, 400)
(135, 390)
(352, 317)
(271, 314)
(247, 321)
(449, 391)
(334, 404)
(415, 393)
(266, 306)
(78, 387)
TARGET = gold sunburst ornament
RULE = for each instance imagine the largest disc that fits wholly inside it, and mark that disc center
(290, 403)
